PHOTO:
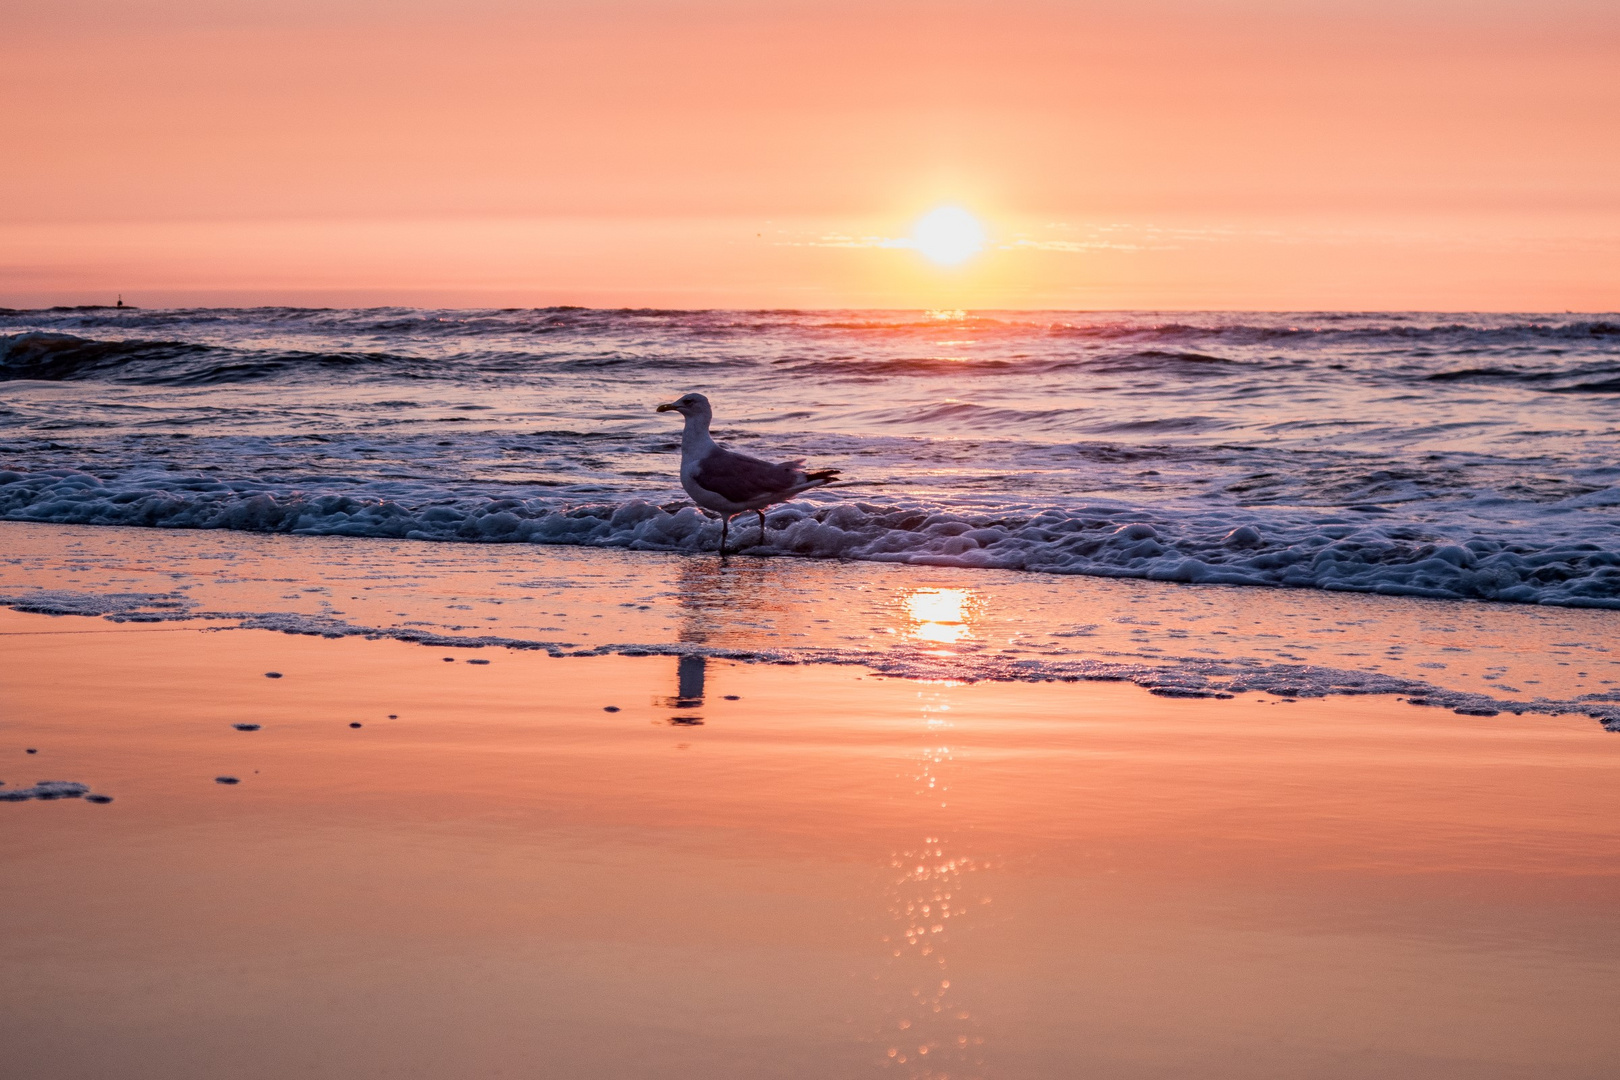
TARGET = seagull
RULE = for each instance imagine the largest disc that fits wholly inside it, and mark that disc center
(730, 483)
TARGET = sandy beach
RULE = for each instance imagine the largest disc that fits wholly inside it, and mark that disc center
(766, 866)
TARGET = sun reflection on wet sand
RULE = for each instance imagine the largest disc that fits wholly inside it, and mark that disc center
(929, 1033)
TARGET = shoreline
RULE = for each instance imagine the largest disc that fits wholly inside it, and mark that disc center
(905, 621)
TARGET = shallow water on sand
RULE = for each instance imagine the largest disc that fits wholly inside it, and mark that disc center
(926, 622)
(762, 870)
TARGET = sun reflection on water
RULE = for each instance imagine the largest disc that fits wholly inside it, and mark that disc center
(940, 615)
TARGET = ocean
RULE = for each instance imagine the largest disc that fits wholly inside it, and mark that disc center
(1462, 457)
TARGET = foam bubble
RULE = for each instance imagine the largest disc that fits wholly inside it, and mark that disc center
(46, 790)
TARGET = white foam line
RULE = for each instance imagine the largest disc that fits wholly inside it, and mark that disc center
(1186, 677)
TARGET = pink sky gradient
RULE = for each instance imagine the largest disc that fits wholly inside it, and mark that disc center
(1161, 155)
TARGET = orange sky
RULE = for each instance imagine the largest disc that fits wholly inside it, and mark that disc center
(1192, 154)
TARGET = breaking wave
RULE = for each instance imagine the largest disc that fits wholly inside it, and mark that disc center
(1226, 547)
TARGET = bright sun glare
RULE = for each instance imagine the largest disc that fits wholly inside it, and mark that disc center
(948, 235)
(939, 614)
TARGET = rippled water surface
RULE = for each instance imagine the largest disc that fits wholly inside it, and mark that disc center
(1434, 455)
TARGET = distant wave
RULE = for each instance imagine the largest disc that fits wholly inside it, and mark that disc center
(1145, 360)
(1540, 379)
(50, 357)
(1244, 332)
(1607, 386)
(963, 416)
(62, 357)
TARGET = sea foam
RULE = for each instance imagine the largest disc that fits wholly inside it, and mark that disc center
(1222, 547)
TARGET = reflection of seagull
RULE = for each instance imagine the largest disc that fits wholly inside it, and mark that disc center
(730, 483)
(689, 672)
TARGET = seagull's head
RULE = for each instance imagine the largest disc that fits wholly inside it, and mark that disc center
(688, 405)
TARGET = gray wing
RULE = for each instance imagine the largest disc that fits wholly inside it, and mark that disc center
(740, 478)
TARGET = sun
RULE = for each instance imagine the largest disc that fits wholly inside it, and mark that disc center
(948, 235)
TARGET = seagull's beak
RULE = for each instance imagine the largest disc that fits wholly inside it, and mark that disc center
(668, 406)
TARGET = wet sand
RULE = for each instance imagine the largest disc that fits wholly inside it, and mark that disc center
(835, 874)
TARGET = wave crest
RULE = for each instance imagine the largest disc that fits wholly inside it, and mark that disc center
(1388, 558)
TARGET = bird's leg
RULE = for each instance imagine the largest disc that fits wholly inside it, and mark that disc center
(725, 526)
(761, 514)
